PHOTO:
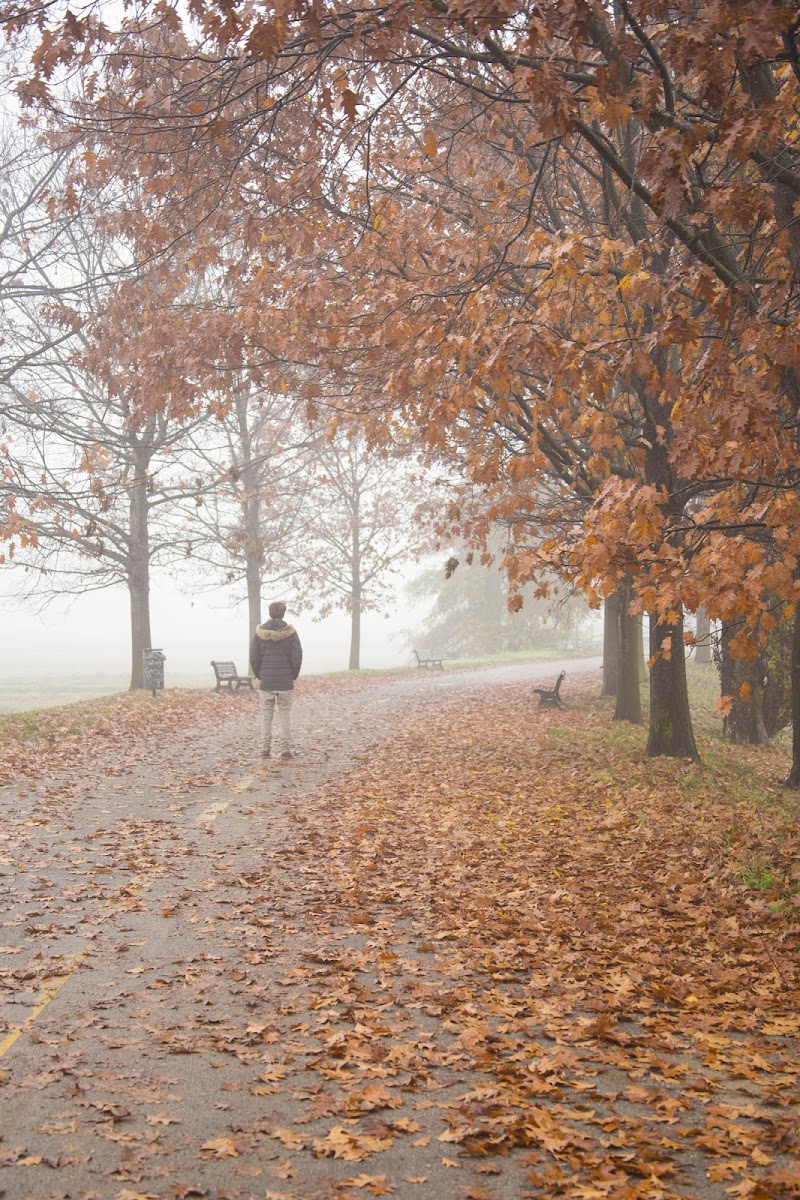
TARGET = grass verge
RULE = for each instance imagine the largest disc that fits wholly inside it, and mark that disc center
(747, 818)
(24, 720)
(743, 784)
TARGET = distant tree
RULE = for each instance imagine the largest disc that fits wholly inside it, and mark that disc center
(93, 481)
(756, 687)
(95, 497)
(623, 652)
(629, 703)
(362, 529)
(611, 644)
(470, 612)
(258, 457)
(777, 702)
(33, 231)
(703, 635)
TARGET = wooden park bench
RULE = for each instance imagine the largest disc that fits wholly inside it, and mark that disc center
(549, 697)
(430, 659)
(226, 673)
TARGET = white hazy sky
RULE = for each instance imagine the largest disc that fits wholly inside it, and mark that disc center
(91, 636)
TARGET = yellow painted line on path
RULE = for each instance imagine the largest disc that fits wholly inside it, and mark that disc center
(212, 812)
(50, 989)
(131, 891)
(129, 894)
(245, 783)
(209, 815)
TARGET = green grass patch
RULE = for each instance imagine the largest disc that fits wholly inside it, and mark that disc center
(521, 656)
(734, 795)
(759, 877)
(76, 719)
(362, 673)
(19, 694)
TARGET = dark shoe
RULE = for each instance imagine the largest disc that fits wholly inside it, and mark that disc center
(287, 754)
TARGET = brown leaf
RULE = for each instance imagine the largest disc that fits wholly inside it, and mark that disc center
(222, 1147)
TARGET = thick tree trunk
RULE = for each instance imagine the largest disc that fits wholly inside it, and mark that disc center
(744, 724)
(252, 571)
(640, 654)
(356, 583)
(629, 703)
(355, 634)
(794, 775)
(763, 88)
(139, 571)
(139, 589)
(251, 518)
(671, 730)
(702, 653)
(611, 644)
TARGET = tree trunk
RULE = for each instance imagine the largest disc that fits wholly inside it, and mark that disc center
(355, 633)
(139, 590)
(252, 571)
(610, 645)
(251, 518)
(640, 655)
(355, 579)
(794, 775)
(744, 724)
(702, 653)
(776, 706)
(139, 570)
(629, 703)
(671, 730)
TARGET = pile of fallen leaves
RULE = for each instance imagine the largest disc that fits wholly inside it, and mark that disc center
(131, 725)
(504, 956)
(582, 930)
(73, 736)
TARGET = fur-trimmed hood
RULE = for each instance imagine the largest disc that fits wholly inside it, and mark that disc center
(274, 632)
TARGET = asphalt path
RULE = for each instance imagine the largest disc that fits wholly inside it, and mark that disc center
(158, 923)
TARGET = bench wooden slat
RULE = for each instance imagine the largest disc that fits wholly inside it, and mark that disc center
(227, 674)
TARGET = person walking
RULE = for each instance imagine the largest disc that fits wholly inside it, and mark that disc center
(275, 658)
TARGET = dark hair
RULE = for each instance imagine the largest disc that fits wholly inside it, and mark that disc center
(277, 609)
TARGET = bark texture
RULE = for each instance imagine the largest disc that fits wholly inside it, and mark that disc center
(703, 652)
(610, 645)
(671, 730)
(743, 679)
(629, 702)
(139, 570)
(794, 775)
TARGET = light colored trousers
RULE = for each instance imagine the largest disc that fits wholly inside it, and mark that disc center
(270, 702)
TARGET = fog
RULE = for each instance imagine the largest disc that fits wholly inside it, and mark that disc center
(80, 647)
(90, 637)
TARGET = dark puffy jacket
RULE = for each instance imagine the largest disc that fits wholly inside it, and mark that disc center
(276, 656)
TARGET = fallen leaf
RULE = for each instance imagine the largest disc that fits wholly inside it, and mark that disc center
(222, 1147)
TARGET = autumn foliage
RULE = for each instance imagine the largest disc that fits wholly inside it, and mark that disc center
(555, 249)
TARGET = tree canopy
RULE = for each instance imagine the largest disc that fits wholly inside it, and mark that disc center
(557, 244)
